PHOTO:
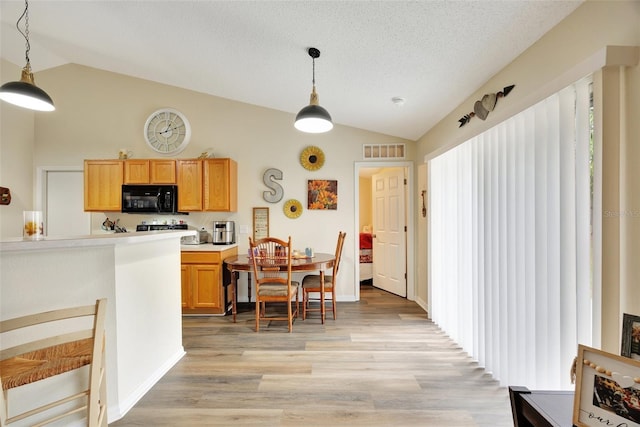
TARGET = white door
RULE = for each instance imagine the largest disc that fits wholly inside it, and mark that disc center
(64, 204)
(389, 235)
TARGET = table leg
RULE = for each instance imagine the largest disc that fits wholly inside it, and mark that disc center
(249, 286)
(322, 308)
(234, 293)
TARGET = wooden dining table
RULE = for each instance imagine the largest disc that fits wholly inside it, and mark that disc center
(236, 264)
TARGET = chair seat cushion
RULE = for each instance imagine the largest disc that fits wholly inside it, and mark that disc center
(276, 289)
(313, 281)
(40, 364)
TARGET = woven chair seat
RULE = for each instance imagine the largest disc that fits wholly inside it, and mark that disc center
(313, 282)
(276, 289)
(40, 364)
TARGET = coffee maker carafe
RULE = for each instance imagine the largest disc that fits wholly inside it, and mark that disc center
(224, 232)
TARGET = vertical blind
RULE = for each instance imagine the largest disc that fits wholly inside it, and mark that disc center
(509, 225)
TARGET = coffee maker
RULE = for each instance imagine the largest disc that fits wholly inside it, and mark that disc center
(224, 232)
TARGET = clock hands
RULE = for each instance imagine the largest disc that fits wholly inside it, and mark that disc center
(170, 129)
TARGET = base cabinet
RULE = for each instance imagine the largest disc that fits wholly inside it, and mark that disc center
(203, 284)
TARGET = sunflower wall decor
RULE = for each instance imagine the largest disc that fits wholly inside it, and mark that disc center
(312, 158)
(292, 208)
(322, 194)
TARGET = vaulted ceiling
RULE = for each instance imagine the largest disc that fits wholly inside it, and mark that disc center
(433, 54)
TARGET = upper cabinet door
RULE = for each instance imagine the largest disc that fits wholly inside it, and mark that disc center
(154, 171)
(220, 185)
(162, 171)
(103, 185)
(189, 179)
(136, 171)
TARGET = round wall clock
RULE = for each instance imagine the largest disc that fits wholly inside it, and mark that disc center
(167, 131)
(312, 158)
(292, 208)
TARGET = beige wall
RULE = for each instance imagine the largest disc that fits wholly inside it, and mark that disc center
(422, 246)
(630, 193)
(366, 217)
(16, 158)
(99, 112)
(563, 55)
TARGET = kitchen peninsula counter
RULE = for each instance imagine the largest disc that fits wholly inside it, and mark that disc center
(108, 239)
(138, 273)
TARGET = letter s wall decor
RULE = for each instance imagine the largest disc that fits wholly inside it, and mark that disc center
(276, 192)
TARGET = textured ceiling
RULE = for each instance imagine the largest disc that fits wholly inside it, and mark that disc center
(432, 53)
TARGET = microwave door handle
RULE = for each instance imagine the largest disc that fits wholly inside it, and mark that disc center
(159, 202)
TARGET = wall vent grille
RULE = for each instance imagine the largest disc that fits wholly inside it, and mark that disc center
(383, 151)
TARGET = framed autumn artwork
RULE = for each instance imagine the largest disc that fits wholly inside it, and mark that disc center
(322, 194)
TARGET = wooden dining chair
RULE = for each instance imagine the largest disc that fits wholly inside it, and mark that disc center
(32, 357)
(271, 259)
(311, 284)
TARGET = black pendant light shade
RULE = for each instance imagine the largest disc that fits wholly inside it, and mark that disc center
(25, 93)
(313, 118)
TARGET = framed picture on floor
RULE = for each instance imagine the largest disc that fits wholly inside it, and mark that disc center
(607, 389)
(630, 336)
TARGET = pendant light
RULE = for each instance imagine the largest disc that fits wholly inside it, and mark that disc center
(25, 93)
(313, 118)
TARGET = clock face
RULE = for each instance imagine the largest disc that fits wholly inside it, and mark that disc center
(167, 131)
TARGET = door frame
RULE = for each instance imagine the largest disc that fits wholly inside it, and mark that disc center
(40, 197)
(411, 221)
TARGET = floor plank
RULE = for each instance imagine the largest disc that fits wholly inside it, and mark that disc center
(381, 363)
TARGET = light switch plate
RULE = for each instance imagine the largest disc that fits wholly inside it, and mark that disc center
(244, 229)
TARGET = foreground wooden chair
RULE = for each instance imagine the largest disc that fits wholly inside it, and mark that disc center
(36, 360)
(311, 283)
(271, 261)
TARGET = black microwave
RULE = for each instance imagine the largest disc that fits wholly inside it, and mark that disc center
(158, 199)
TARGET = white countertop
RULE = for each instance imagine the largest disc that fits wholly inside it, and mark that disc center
(19, 244)
(207, 247)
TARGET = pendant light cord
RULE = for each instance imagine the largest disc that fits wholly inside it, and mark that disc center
(313, 118)
(313, 53)
(25, 34)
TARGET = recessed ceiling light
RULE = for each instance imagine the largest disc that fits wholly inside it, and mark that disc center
(398, 101)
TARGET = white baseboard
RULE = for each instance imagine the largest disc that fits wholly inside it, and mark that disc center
(422, 303)
(119, 410)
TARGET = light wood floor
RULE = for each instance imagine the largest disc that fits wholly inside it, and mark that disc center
(382, 363)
